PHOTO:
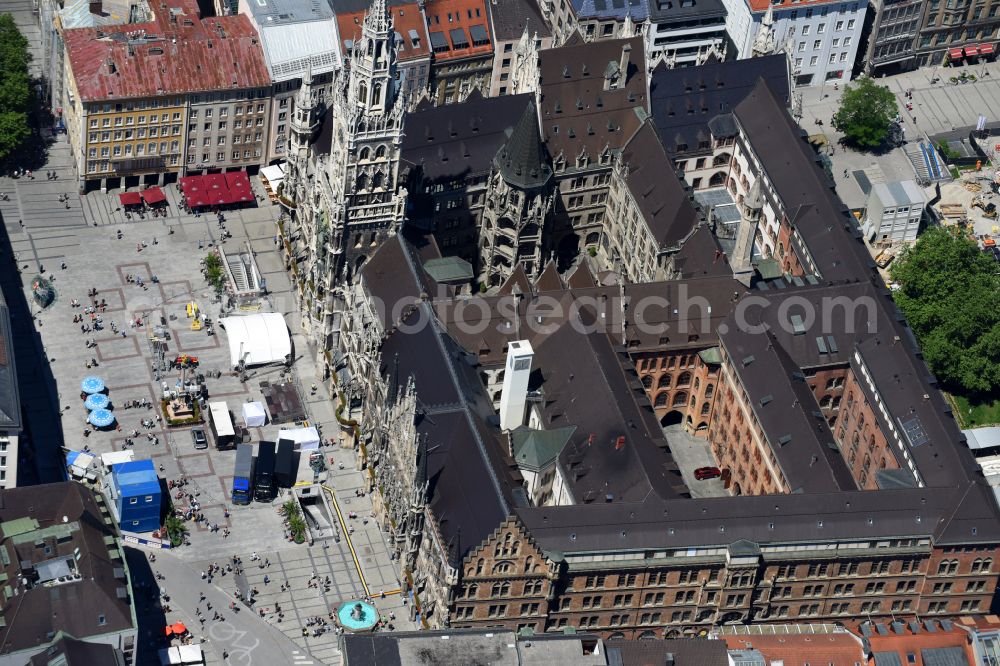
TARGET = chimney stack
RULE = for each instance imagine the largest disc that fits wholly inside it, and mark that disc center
(97, 7)
(514, 395)
(623, 65)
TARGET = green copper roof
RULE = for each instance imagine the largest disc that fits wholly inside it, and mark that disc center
(536, 449)
(18, 526)
(449, 269)
(769, 269)
(712, 356)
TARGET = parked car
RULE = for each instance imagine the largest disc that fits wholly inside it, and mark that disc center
(703, 473)
(199, 439)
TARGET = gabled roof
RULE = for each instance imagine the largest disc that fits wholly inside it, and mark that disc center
(549, 280)
(77, 535)
(517, 283)
(459, 140)
(656, 189)
(578, 114)
(686, 101)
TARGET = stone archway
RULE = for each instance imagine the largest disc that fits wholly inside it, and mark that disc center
(672, 418)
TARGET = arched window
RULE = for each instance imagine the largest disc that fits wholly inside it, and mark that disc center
(661, 400)
(380, 152)
(593, 238)
(647, 381)
(709, 390)
(718, 178)
(693, 400)
(363, 92)
(376, 94)
(365, 153)
(705, 407)
(479, 565)
(680, 399)
(987, 565)
(825, 402)
(529, 562)
(722, 159)
(697, 383)
(664, 381)
(684, 379)
(471, 591)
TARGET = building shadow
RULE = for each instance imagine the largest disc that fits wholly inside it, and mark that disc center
(149, 613)
(41, 459)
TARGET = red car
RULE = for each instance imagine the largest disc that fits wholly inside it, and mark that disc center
(703, 473)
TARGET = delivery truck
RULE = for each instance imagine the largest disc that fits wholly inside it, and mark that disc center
(284, 466)
(263, 479)
(243, 474)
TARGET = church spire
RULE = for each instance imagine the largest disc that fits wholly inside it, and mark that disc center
(764, 43)
(377, 19)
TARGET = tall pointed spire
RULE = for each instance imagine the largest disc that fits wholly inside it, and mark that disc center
(764, 43)
(521, 159)
(378, 19)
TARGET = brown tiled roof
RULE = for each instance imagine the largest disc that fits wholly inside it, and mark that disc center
(577, 113)
(518, 282)
(830, 232)
(549, 280)
(176, 53)
(77, 607)
(511, 17)
(657, 190)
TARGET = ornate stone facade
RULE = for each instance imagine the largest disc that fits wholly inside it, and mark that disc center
(518, 201)
(347, 202)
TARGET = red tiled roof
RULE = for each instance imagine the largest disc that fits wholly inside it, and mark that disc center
(910, 642)
(452, 19)
(178, 52)
(405, 19)
(840, 649)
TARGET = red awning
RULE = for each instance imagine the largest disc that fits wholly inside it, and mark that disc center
(955, 54)
(130, 198)
(239, 186)
(217, 189)
(153, 195)
(971, 50)
(986, 49)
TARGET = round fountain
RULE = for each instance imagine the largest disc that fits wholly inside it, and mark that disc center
(357, 616)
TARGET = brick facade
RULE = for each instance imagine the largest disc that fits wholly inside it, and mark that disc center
(668, 597)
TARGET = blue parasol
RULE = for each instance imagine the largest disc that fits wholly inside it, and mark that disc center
(92, 384)
(97, 401)
(101, 418)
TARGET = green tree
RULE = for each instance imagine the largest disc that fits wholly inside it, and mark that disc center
(866, 110)
(950, 294)
(15, 87)
(213, 272)
(176, 529)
